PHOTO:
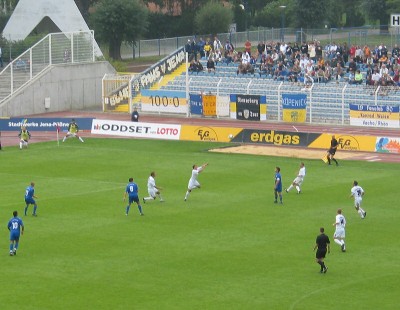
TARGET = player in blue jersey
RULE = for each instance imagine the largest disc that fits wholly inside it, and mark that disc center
(16, 228)
(30, 198)
(132, 191)
(278, 185)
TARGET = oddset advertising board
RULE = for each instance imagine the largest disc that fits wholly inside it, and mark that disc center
(136, 130)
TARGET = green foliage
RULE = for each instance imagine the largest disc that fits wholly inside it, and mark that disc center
(271, 15)
(213, 18)
(115, 21)
(310, 13)
(375, 9)
(228, 247)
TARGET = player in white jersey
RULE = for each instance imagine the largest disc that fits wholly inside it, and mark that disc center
(340, 234)
(357, 192)
(152, 188)
(193, 183)
(298, 180)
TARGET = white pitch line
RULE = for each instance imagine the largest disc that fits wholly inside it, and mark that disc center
(371, 157)
(372, 160)
(295, 129)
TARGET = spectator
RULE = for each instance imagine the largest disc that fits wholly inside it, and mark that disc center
(338, 72)
(200, 47)
(359, 55)
(328, 71)
(245, 57)
(320, 75)
(304, 49)
(188, 49)
(135, 115)
(207, 49)
(375, 78)
(228, 46)
(217, 45)
(210, 64)
(358, 77)
(352, 66)
(247, 47)
(195, 66)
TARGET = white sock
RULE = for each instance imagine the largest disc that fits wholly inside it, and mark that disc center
(148, 198)
(20, 145)
(338, 241)
(290, 187)
(187, 195)
(360, 212)
(298, 188)
(80, 139)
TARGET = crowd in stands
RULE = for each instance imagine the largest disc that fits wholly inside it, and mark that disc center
(308, 62)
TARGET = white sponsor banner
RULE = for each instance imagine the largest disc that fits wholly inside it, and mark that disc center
(136, 130)
(223, 105)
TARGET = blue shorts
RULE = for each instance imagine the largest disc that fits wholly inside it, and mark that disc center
(30, 201)
(133, 199)
(279, 189)
(14, 236)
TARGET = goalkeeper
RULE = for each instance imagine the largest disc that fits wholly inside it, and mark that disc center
(24, 136)
(73, 130)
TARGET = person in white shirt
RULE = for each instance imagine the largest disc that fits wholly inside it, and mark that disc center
(384, 70)
(193, 183)
(152, 188)
(340, 234)
(298, 180)
(357, 192)
(376, 77)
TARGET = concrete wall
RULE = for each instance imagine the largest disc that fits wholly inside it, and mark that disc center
(69, 87)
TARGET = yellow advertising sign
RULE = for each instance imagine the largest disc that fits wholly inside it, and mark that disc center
(209, 105)
(202, 133)
(346, 142)
(294, 115)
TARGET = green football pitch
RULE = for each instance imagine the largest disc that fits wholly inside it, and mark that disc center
(228, 247)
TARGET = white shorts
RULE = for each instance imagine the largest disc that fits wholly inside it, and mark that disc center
(152, 192)
(298, 180)
(193, 184)
(339, 233)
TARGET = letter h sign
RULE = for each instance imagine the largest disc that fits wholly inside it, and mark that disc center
(395, 20)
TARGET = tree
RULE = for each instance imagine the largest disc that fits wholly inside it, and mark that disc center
(310, 13)
(212, 18)
(116, 21)
(84, 6)
(376, 10)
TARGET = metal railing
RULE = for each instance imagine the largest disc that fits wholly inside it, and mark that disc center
(370, 35)
(55, 48)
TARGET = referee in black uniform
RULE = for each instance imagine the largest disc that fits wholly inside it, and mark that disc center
(322, 245)
(332, 151)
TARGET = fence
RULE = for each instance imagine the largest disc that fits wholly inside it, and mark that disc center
(55, 48)
(369, 35)
(326, 103)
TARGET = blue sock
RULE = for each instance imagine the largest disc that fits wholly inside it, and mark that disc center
(140, 209)
(16, 245)
(11, 247)
(127, 209)
(34, 209)
(26, 209)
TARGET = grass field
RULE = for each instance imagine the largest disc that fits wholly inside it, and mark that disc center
(228, 247)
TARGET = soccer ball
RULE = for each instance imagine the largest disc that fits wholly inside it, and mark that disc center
(230, 136)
